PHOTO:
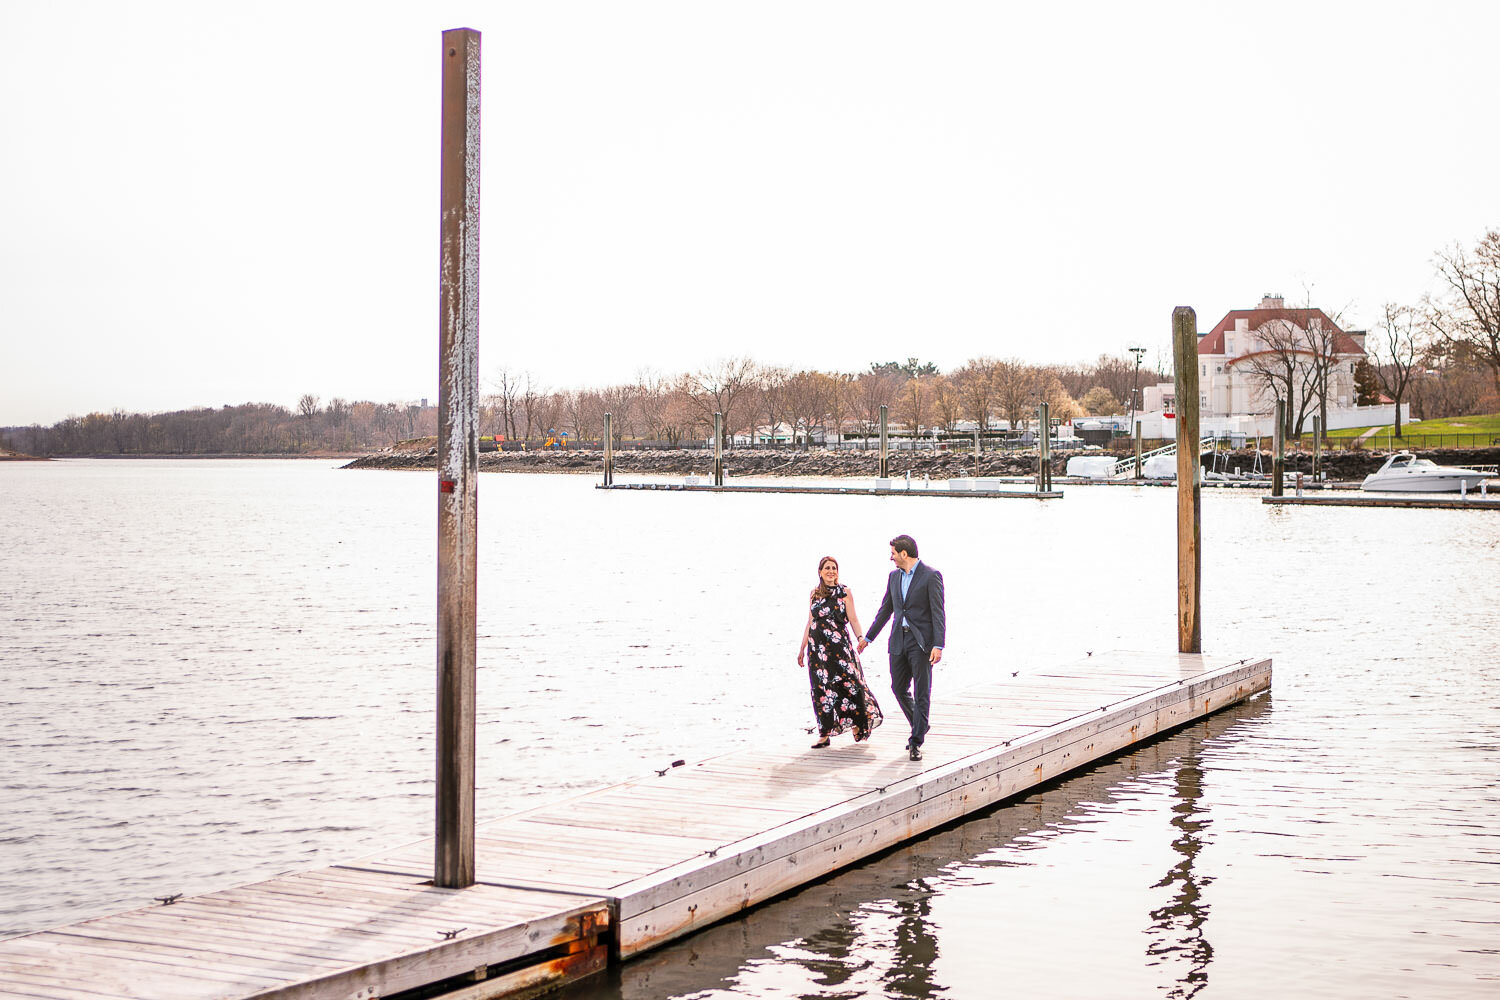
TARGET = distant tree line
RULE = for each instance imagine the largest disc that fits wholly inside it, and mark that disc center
(248, 429)
(1441, 355)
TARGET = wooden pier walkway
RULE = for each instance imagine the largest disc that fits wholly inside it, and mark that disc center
(611, 873)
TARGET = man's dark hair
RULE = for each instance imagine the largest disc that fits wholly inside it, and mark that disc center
(905, 543)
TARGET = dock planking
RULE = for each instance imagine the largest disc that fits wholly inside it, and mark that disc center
(625, 868)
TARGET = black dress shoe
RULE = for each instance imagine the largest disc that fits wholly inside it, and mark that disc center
(916, 753)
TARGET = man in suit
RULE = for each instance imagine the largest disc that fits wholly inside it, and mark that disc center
(914, 596)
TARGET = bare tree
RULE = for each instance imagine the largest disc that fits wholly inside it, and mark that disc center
(914, 403)
(1469, 313)
(976, 386)
(947, 404)
(873, 390)
(508, 388)
(771, 400)
(807, 402)
(1397, 352)
(620, 402)
(719, 388)
(1015, 390)
(840, 402)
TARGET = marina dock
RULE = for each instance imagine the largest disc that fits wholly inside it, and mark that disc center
(602, 876)
(1442, 501)
(943, 489)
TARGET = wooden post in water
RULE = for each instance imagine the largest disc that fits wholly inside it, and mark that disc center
(1189, 480)
(1278, 450)
(1317, 444)
(885, 447)
(1044, 451)
(609, 449)
(458, 447)
(718, 449)
(1137, 449)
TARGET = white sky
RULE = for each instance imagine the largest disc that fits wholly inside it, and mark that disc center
(206, 203)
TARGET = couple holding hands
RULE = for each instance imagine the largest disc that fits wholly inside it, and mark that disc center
(832, 641)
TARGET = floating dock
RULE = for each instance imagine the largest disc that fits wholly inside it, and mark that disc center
(938, 490)
(608, 874)
(1447, 501)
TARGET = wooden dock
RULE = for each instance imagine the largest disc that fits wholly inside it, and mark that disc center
(614, 872)
(1447, 501)
(938, 490)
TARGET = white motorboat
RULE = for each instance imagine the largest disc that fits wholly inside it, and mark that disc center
(1404, 472)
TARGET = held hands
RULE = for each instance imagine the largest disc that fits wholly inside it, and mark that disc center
(863, 642)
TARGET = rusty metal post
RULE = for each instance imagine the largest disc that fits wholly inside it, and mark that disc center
(1138, 449)
(885, 447)
(1189, 480)
(609, 449)
(718, 449)
(1278, 450)
(458, 447)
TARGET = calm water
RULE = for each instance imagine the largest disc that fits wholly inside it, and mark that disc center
(215, 672)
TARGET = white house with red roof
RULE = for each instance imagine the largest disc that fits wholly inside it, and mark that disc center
(1235, 396)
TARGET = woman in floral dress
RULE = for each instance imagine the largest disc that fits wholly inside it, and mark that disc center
(840, 698)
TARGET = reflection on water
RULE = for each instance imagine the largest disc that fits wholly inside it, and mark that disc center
(876, 930)
(212, 672)
(1178, 937)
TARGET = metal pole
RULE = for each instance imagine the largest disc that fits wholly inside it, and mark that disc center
(609, 449)
(1317, 444)
(1137, 449)
(1189, 481)
(885, 446)
(458, 485)
(1278, 450)
(718, 449)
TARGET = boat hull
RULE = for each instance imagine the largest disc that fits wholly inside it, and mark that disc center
(1403, 482)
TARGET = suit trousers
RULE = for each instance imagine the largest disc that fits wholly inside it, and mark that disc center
(911, 682)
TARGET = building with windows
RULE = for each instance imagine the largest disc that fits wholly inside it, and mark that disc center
(1252, 357)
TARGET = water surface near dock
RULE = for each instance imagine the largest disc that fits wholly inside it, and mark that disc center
(219, 671)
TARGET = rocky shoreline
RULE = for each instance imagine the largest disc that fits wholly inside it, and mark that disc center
(1340, 465)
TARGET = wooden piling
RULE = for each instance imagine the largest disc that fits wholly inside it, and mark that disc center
(1044, 450)
(1278, 451)
(1189, 480)
(458, 454)
(609, 449)
(1317, 422)
(718, 449)
(1138, 449)
(885, 446)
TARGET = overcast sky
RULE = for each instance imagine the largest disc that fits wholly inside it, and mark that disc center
(205, 204)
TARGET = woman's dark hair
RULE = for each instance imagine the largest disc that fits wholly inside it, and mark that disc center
(821, 590)
(905, 543)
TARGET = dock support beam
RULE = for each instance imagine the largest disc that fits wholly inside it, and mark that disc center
(718, 449)
(1044, 450)
(1189, 480)
(609, 449)
(885, 444)
(458, 454)
(1137, 449)
(1278, 451)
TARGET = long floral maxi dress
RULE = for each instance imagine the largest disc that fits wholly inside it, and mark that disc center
(841, 699)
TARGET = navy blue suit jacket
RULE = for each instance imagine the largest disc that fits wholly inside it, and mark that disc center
(923, 609)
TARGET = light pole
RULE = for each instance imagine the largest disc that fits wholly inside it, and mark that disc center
(1135, 390)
